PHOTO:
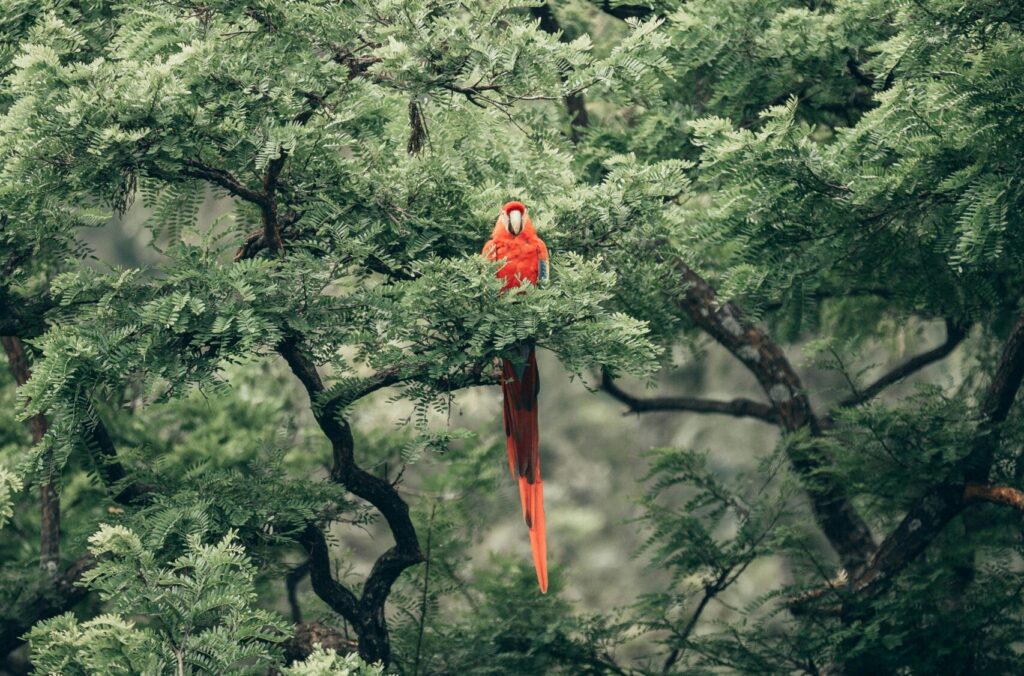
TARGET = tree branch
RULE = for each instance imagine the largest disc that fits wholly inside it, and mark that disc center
(478, 374)
(196, 169)
(367, 613)
(624, 11)
(575, 104)
(268, 207)
(939, 505)
(1000, 495)
(109, 467)
(49, 498)
(333, 593)
(955, 334)
(740, 407)
(292, 580)
(845, 529)
(858, 74)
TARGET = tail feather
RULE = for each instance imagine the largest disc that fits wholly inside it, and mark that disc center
(520, 386)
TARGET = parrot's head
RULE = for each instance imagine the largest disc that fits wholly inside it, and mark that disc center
(514, 218)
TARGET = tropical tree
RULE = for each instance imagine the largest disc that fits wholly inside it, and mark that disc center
(833, 180)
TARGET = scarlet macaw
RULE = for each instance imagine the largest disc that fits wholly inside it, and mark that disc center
(515, 241)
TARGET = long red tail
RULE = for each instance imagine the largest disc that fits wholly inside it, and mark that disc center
(520, 383)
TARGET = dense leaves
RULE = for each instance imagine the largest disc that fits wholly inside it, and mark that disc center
(314, 182)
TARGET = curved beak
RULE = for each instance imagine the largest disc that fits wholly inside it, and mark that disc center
(515, 222)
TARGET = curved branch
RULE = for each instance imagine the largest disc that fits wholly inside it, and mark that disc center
(939, 505)
(621, 11)
(336, 595)
(739, 407)
(292, 581)
(955, 334)
(999, 495)
(367, 613)
(197, 169)
(833, 509)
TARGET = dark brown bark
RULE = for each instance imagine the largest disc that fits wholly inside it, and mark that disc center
(998, 495)
(938, 506)
(49, 497)
(842, 525)
(955, 335)
(575, 104)
(292, 581)
(366, 613)
(620, 11)
(271, 226)
(739, 407)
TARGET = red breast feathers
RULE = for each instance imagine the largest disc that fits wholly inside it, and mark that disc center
(515, 240)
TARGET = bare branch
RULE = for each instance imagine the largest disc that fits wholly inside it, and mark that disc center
(367, 613)
(336, 595)
(292, 580)
(1000, 495)
(955, 334)
(197, 169)
(740, 407)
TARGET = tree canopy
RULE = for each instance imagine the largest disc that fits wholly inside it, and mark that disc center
(819, 190)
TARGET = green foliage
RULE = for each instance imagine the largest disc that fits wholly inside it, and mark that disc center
(10, 483)
(509, 629)
(329, 663)
(198, 607)
(846, 172)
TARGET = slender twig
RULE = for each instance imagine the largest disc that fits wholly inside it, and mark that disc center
(425, 597)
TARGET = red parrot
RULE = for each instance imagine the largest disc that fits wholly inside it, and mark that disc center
(515, 241)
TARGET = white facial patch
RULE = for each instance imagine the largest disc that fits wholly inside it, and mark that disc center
(504, 220)
(515, 222)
